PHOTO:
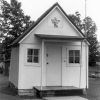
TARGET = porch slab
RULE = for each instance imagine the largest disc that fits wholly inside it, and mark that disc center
(49, 91)
(56, 88)
(65, 98)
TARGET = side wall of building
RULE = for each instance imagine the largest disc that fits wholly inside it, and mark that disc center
(29, 74)
(14, 66)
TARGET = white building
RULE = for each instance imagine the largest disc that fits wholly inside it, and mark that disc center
(52, 52)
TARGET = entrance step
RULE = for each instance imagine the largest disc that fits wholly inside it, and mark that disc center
(57, 91)
(65, 98)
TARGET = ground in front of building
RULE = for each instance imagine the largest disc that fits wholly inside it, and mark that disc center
(93, 93)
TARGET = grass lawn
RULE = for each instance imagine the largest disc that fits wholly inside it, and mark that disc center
(93, 93)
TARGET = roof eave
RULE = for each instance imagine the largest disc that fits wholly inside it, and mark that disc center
(57, 37)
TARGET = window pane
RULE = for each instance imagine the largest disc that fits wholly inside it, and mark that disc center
(71, 59)
(77, 60)
(29, 59)
(36, 51)
(30, 51)
(71, 53)
(77, 53)
(36, 60)
(33, 55)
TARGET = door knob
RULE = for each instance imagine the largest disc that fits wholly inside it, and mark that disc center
(47, 63)
(64, 60)
(47, 55)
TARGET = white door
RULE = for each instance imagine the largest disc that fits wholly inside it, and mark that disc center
(53, 65)
(70, 71)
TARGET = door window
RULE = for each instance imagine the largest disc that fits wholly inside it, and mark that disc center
(74, 56)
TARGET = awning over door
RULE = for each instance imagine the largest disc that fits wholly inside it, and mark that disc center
(59, 37)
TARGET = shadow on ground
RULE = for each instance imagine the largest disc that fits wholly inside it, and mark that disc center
(7, 90)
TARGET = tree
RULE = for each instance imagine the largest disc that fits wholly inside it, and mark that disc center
(76, 19)
(88, 27)
(13, 22)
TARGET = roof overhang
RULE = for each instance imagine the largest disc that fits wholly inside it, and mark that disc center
(60, 37)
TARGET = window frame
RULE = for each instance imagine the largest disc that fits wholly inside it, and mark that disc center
(31, 55)
(32, 63)
(74, 64)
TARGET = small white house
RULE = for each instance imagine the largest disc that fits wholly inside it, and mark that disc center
(52, 52)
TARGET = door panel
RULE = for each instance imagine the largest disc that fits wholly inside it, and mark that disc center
(64, 56)
(70, 72)
(53, 65)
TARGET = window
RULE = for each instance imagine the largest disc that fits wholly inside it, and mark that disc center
(33, 55)
(74, 56)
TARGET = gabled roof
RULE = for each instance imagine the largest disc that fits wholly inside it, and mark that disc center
(39, 20)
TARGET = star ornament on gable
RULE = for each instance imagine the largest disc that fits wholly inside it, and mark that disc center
(55, 22)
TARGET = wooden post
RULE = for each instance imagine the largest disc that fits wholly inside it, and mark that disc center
(80, 64)
(42, 65)
(86, 66)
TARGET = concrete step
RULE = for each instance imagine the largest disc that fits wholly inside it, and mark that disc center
(57, 91)
(65, 98)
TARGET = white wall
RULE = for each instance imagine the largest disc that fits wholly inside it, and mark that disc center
(14, 66)
(65, 27)
(29, 74)
(46, 27)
